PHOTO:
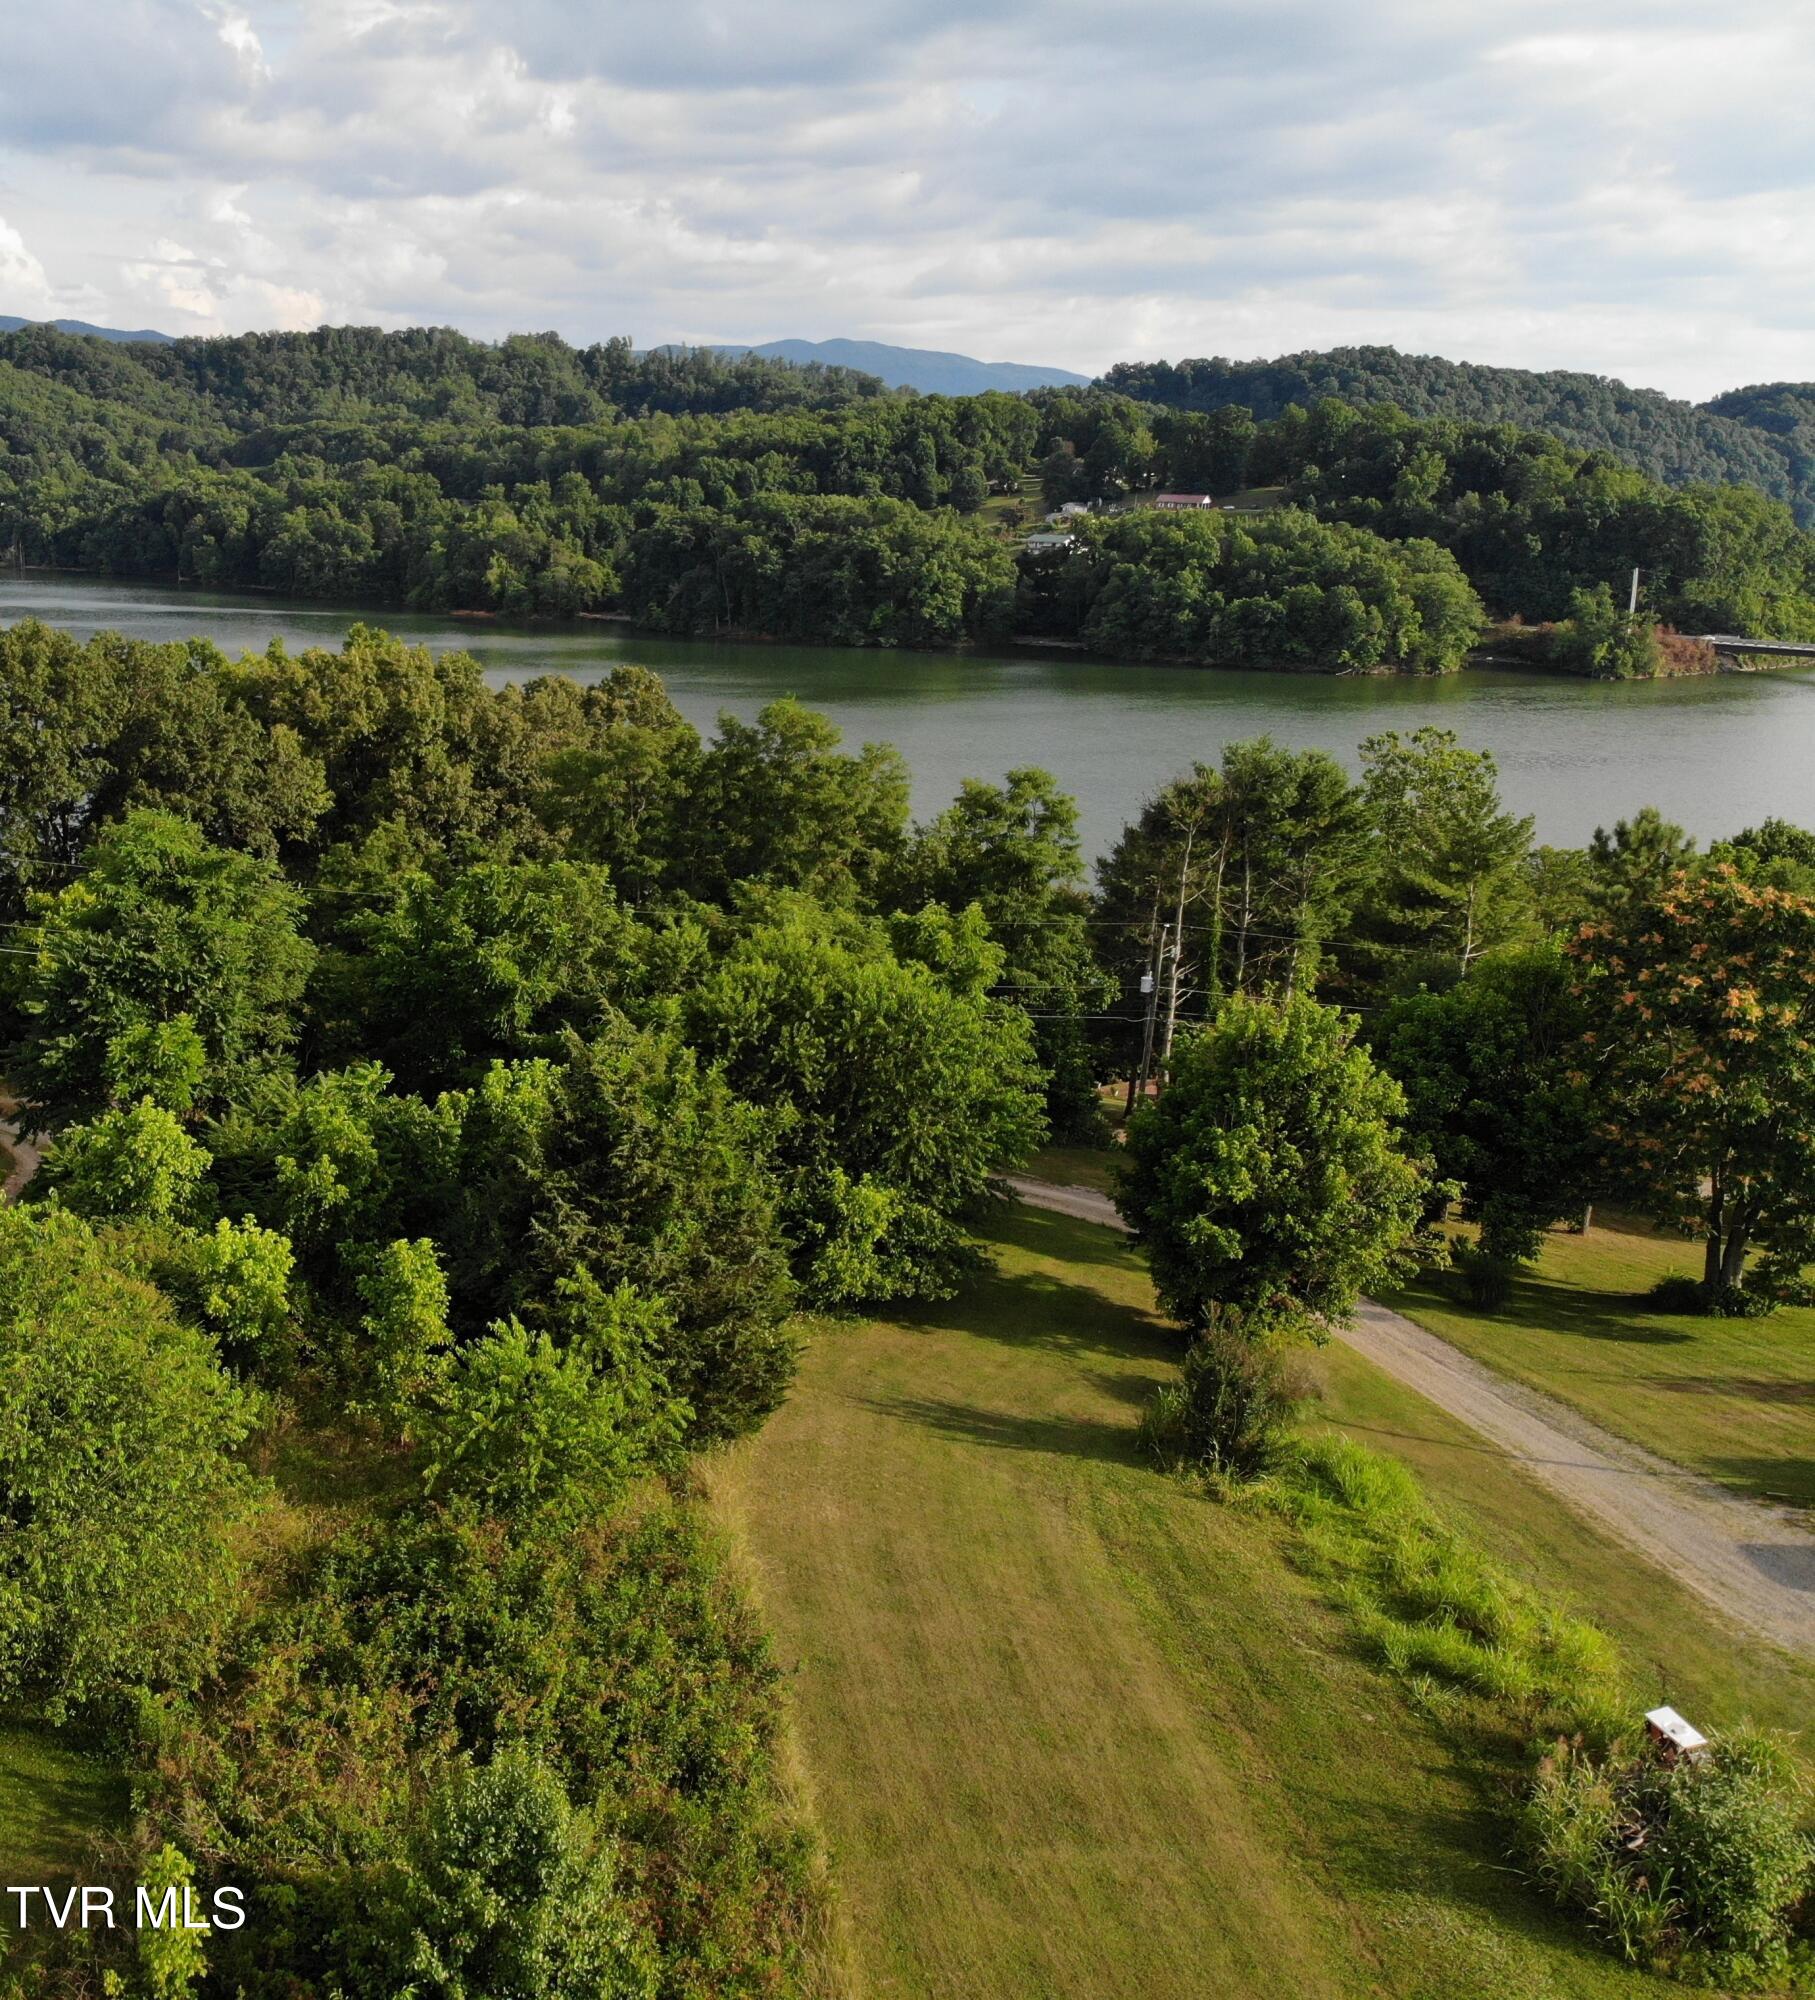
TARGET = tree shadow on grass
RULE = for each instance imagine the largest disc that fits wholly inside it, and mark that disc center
(1450, 1855)
(1542, 1306)
(1004, 1430)
(1780, 1479)
(1040, 1310)
(1788, 1567)
(1752, 1388)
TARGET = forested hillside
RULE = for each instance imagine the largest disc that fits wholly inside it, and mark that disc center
(695, 494)
(1752, 437)
(1534, 524)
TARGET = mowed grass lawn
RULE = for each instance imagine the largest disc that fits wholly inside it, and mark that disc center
(1074, 1731)
(1731, 1398)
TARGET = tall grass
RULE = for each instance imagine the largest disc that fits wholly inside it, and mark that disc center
(1432, 1606)
(1698, 1869)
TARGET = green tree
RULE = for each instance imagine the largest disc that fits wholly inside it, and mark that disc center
(1600, 639)
(453, 972)
(185, 741)
(343, 1166)
(1248, 868)
(1268, 1184)
(632, 1160)
(1012, 851)
(1698, 1000)
(395, 1355)
(620, 796)
(165, 1061)
(58, 703)
(117, 1475)
(1451, 881)
(775, 801)
(401, 735)
(901, 1088)
(161, 926)
(1638, 858)
(234, 1279)
(1774, 853)
(134, 1164)
(1496, 1093)
(510, 1895)
(522, 1420)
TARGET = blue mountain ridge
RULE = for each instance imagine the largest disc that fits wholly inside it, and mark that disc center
(11, 323)
(924, 368)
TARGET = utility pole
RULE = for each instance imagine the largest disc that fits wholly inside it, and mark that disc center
(1150, 985)
(1178, 949)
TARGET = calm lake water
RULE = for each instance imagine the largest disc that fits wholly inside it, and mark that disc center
(1715, 753)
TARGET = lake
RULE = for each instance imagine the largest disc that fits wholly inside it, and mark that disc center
(1716, 753)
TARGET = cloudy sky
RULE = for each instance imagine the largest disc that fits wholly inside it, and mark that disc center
(1618, 185)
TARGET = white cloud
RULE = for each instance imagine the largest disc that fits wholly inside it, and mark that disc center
(1619, 185)
(21, 275)
(238, 34)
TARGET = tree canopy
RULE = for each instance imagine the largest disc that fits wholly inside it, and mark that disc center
(1268, 1184)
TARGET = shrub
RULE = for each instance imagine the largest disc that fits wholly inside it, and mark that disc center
(615, 1649)
(520, 1421)
(170, 1960)
(1747, 1302)
(1482, 1279)
(510, 1895)
(404, 1329)
(1676, 1292)
(1696, 1866)
(135, 1164)
(1229, 1411)
(117, 1480)
(235, 1280)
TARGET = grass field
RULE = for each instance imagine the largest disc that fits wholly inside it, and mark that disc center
(1074, 1730)
(1732, 1398)
(1074, 1166)
(1022, 512)
(54, 1802)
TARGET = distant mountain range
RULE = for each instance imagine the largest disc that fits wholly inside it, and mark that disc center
(927, 369)
(9, 323)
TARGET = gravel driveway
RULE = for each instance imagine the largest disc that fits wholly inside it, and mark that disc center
(1753, 1562)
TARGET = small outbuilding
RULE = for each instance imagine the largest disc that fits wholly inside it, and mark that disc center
(1049, 545)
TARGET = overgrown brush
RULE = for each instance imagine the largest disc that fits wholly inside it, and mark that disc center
(1701, 1868)
(1430, 1603)
(1698, 1866)
(1231, 1409)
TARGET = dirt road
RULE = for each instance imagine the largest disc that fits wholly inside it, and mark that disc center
(25, 1155)
(1752, 1562)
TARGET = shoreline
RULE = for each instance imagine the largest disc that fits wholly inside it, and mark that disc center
(1488, 657)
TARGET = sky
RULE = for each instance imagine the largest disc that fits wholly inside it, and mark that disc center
(1621, 186)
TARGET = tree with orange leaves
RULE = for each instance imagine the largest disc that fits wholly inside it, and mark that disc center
(1701, 1041)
